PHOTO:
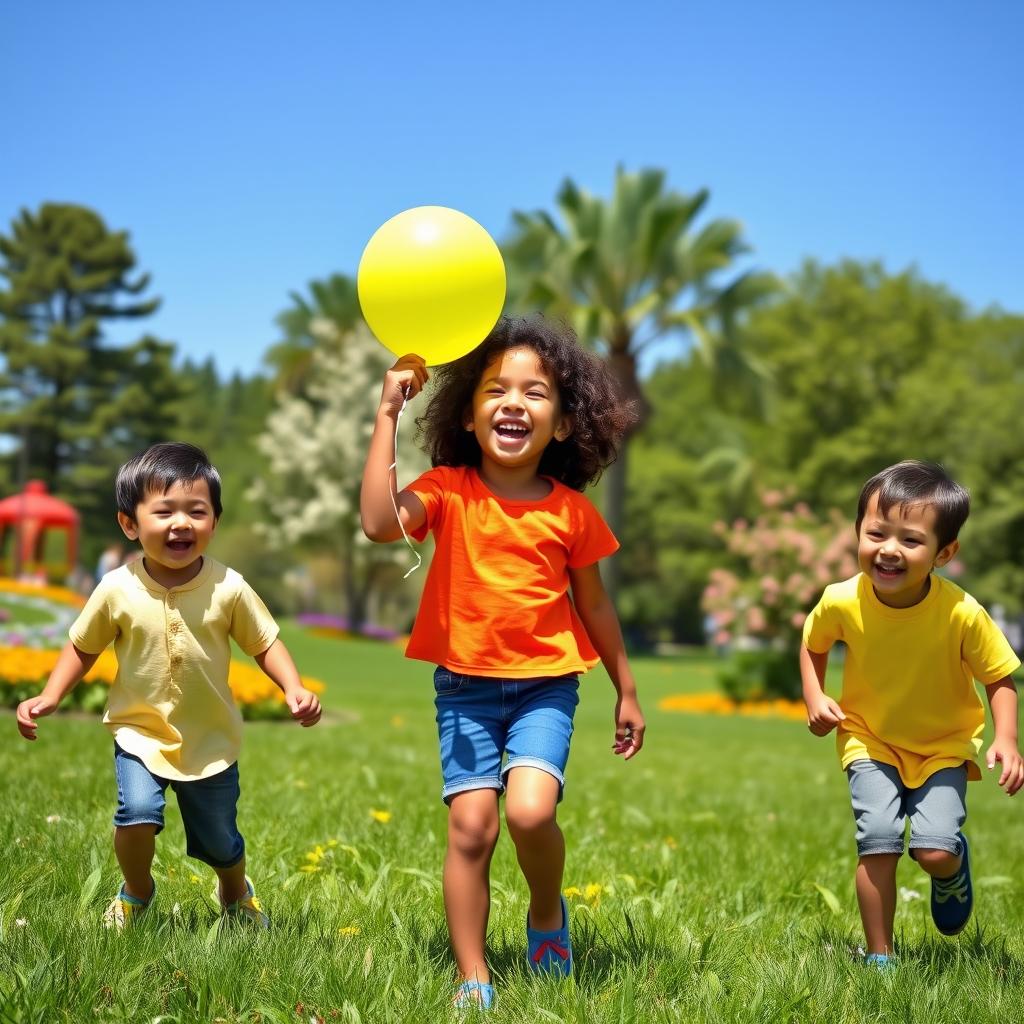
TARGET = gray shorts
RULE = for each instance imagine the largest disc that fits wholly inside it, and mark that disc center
(882, 803)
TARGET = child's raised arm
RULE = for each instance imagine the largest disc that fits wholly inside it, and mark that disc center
(71, 666)
(404, 380)
(823, 713)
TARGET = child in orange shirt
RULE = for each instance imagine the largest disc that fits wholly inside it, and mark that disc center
(515, 430)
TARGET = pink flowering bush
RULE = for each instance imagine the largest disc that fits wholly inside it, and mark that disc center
(781, 562)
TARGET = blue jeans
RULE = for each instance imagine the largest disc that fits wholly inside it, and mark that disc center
(207, 806)
(480, 719)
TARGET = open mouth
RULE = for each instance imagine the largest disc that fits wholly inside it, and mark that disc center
(512, 432)
(179, 546)
(888, 572)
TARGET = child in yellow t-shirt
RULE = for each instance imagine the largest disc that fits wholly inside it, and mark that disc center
(909, 720)
(171, 616)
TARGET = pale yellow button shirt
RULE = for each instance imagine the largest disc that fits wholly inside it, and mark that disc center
(170, 704)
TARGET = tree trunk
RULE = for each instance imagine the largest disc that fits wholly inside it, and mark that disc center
(621, 362)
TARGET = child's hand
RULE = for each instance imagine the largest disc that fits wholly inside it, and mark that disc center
(403, 381)
(1011, 778)
(304, 706)
(31, 709)
(629, 727)
(823, 715)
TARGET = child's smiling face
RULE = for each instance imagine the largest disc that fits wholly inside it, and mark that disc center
(899, 549)
(516, 410)
(174, 528)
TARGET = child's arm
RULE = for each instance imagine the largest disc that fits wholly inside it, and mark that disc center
(71, 666)
(277, 663)
(597, 613)
(823, 713)
(376, 511)
(1002, 699)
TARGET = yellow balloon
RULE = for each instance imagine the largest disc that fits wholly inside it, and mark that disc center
(431, 281)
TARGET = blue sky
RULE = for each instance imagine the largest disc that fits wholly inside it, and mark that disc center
(249, 148)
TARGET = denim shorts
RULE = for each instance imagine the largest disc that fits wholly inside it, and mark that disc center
(480, 719)
(882, 803)
(207, 808)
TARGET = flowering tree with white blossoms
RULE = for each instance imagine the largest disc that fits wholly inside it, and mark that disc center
(315, 444)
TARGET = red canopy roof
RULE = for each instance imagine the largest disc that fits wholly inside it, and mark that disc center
(35, 505)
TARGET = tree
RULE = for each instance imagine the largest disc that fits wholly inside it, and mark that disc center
(629, 271)
(315, 445)
(334, 300)
(77, 406)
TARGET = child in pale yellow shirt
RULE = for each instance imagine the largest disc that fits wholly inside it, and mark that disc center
(909, 720)
(171, 616)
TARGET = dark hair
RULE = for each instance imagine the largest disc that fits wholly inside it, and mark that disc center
(919, 483)
(587, 392)
(158, 468)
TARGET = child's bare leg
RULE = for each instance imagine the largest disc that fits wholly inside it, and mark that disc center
(530, 804)
(472, 835)
(876, 895)
(939, 863)
(232, 882)
(134, 846)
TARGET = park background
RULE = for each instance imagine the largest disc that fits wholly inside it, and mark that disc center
(792, 231)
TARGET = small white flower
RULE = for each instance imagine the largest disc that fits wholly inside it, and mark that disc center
(908, 895)
(52, 819)
(21, 922)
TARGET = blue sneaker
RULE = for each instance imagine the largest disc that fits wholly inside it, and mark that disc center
(953, 898)
(879, 961)
(550, 951)
(472, 995)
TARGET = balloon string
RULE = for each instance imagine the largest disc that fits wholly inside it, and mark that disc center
(392, 491)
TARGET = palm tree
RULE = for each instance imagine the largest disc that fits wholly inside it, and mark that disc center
(333, 301)
(629, 271)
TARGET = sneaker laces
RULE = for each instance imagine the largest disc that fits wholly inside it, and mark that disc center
(955, 887)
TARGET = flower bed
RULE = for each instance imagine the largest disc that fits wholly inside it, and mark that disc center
(24, 670)
(717, 704)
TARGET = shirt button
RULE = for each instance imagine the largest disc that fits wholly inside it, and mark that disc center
(170, 601)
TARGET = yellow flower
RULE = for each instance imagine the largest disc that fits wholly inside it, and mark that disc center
(350, 929)
(310, 868)
(592, 893)
(572, 893)
(397, 721)
(382, 816)
(671, 843)
(194, 879)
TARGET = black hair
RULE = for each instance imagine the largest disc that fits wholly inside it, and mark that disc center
(914, 482)
(586, 389)
(161, 466)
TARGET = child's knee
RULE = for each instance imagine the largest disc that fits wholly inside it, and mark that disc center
(473, 832)
(528, 815)
(140, 808)
(937, 862)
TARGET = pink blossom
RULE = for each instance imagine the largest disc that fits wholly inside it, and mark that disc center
(771, 499)
(722, 637)
(798, 619)
(756, 621)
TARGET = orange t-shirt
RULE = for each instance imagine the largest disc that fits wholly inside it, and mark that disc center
(496, 600)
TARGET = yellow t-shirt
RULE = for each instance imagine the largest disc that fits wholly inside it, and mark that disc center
(908, 684)
(170, 704)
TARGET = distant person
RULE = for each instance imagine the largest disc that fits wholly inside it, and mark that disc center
(171, 616)
(516, 429)
(909, 719)
(109, 560)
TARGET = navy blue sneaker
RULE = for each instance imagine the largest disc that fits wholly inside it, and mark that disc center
(953, 898)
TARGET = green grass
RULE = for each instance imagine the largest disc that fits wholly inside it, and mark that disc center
(24, 615)
(711, 846)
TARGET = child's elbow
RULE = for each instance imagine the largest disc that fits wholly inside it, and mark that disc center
(376, 532)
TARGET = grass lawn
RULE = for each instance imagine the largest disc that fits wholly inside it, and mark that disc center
(724, 856)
